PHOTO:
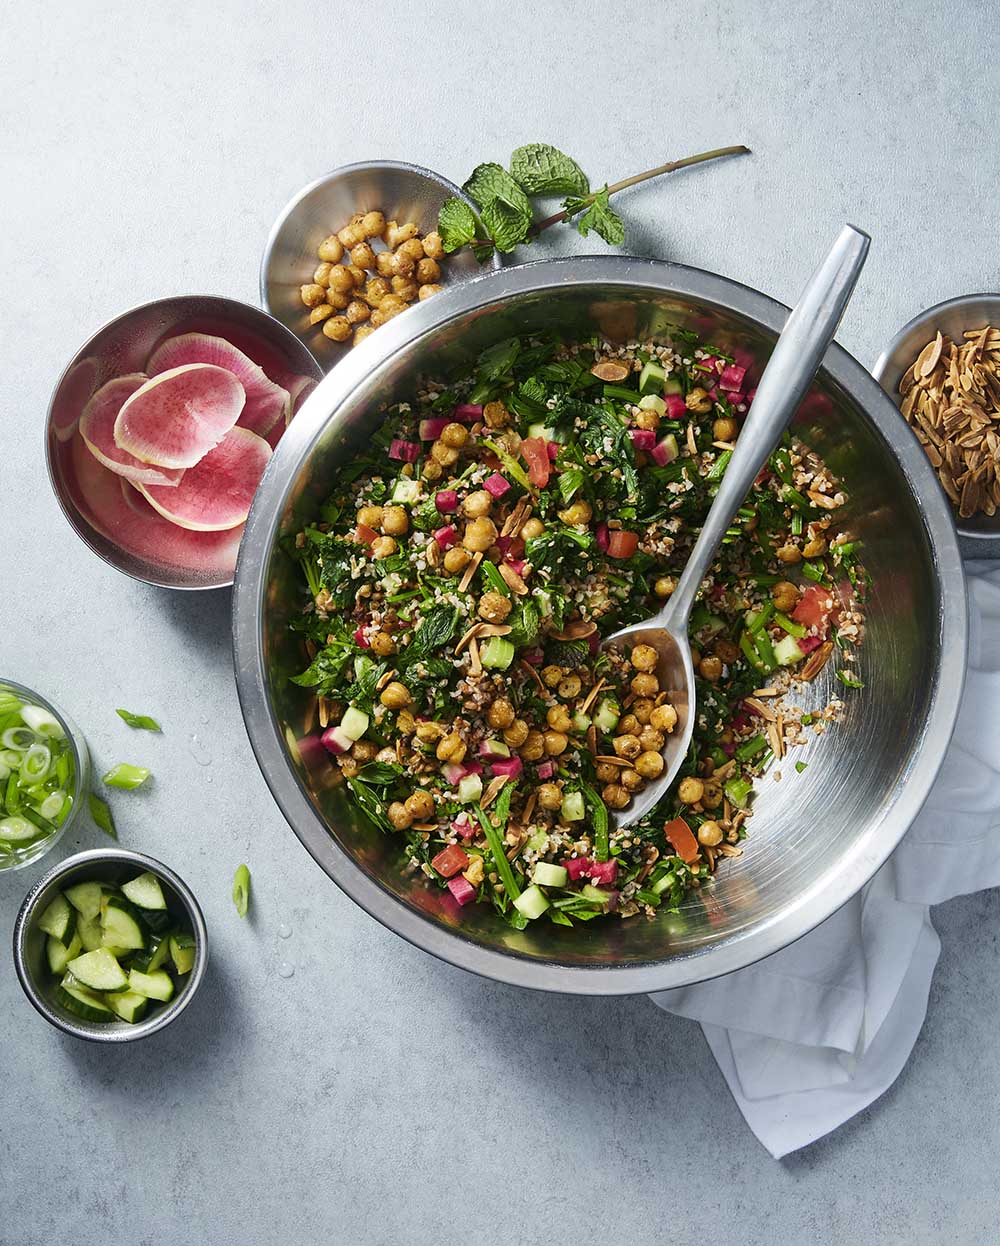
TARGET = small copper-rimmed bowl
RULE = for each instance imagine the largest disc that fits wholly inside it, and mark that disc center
(105, 511)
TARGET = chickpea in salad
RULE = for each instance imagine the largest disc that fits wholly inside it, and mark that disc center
(462, 574)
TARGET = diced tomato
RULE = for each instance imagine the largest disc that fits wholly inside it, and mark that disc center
(622, 544)
(536, 455)
(682, 839)
(814, 608)
(449, 861)
(365, 535)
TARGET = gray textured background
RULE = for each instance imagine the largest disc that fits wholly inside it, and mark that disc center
(377, 1096)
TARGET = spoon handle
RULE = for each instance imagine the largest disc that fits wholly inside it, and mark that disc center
(794, 362)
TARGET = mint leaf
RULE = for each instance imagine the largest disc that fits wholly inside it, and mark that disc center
(599, 217)
(456, 224)
(543, 170)
(503, 205)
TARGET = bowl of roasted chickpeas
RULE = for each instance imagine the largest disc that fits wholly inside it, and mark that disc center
(356, 248)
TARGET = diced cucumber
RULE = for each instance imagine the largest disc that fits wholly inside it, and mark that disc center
(539, 840)
(545, 874)
(154, 957)
(405, 491)
(85, 898)
(532, 902)
(90, 932)
(156, 985)
(156, 920)
(581, 722)
(497, 653)
(59, 920)
(661, 884)
(129, 1005)
(120, 924)
(182, 951)
(606, 718)
(651, 378)
(653, 402)
(671, 385)
(59, 954)
(354, 724)
(470, 788)
(495, 748)
(572, 809)
(542, 430)
(99, 970)
(145, 892)
(787, 651)
(596, 895)
(83, 1003)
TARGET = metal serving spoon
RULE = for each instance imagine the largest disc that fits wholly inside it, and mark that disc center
(794, 362)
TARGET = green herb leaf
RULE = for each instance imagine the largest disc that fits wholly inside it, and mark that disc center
(125, 776)
(524, 623)
(241, 890)
(503, 205)
(543, 170)
(101, 813)
(436, 628)
(142, 722)
(850, 681)
(570, 484)
(510, 465)
(456, 224)
(379, 773)
(498, 359)
(597, 215)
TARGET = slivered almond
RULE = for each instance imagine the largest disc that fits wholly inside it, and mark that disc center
(387, 678)
(591, 739)
(470, 571)
(614, 761)
(530, 670)
(473, 631)
(323, 706)
(475, 662)
(763, 710)
(425, 826)
(692, 445)
(494, 629)
(529, 807)
(766, 692)
(816, 661)
(591, 696)
(513, 581)
(928, 358)
(493, 790)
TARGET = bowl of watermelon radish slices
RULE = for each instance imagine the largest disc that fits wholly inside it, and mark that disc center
(161, 428)
(110, 945)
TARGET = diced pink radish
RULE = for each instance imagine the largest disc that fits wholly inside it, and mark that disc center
(464, 826)
(446, 501)
(517, 565)
(462, 889)
(576, 867)
(751, 394)
(731, 379)
(407, 451)
(729, 749)
(603, 871)
(546, 770)
(446, 536)
(496, 485)
(311, 752)
(601, 537)
(534, 657)
(361, 639)
(510, 766)
(643, 438)
(473, 767)
(432, 428)
(552, 449)
(175, 418)
(503, 543)
(808, 643)
(216, 493)
(594, 642)
(740, 722)
(453, 772)
(97, 428)
(676, 406)
(468, 412)
(334, 741)
(665, 451)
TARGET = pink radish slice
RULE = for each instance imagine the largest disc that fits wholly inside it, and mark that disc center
(97, 428)
(179, 415)
(74, 390)
(266, 402)
(215, 495)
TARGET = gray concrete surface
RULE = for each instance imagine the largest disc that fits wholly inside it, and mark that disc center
(377, 1096)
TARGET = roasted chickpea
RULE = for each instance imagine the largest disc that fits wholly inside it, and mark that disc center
(451, 748)
(550, 796)
(399, 816)
(426, 292)
(370, 515)
(477, 504)
(494, 607)
(373, 223)
(357, 311)
(358, 275)
(331, 249)
(427, 272)
(605, 772)
(627, 746)
(312, 295)
(664, 586)
(785, 596)
(340, 279)
(322, 274)
(652, 740)
(387, 756)
(363, 751)
(384, 547)
(710, 668)
(456, 559)
(405, 288)
(710, 834)
(441, 453)
(631, 780)
(395, 696)
(455, 435)
(516, 734)
(348, 766)
(479, 534)
(698, 401)
(338, 300)
(650, 764)
(318, 314)
(648, 420)
(712, 796)
(382, 644)
(403, 266)
(500, 714)
(394, 234)
(392, 305)
(350, 236)
(556, 742)
(362, 331)
(362, 255)
(395, 521)
(814, 547)
(427, 732)
(725, 429)
(557, 717)
(378, 318)
(690, 790)
(406, 723)
(578, 513)
(551, 675)
(616, 796)
(420, 804)
(496, 414)
(533, 748)
(569, 687)
(383, 264)
(532, 528)
(644, 658)
(789, 554)
(645, 684)
(338, 328)
(412, 247)
(642, 710)
(628, 724)
(431, 470)
(727, 651)
(433, 246)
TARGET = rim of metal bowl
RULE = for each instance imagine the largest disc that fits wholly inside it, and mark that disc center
(72, 517)
(496, 261)
(113, 1032)
(980, 544)
(817, 902)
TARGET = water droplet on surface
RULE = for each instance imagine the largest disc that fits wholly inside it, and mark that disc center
(285, 969)
(199, 750)
(284, 932)
(205, 719)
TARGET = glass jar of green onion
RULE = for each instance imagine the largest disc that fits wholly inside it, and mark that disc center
(44, 774)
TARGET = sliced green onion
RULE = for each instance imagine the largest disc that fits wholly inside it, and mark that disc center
(623, 394)
(11, 758)
(497, 852)
(15, 829)
(19, 739)
(800, 766)
(101, 814)
(814, 571)
(750, 748)
(718, 468)
(850, 681)
(10, 702)
(42, 722)
(241, 890)
(35, 764)
(797, 501)
(126, 776)
(141, 722)
(51, 806)
(788, 625)
(4, 769)
(781, 464)
(511, 466)
(737, 791)
(758, 621)
(497, 653)
(749, 652)
(762, 643)
(797, 524)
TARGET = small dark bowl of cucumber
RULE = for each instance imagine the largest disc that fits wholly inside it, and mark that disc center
(110, 945)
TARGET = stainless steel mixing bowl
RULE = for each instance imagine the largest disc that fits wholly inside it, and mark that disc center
(815, 837)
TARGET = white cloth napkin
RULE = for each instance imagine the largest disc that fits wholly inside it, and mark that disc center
(810, 1036)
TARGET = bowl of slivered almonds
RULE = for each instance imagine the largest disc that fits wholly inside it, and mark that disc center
(943, 371)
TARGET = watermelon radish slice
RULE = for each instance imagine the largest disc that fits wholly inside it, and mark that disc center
(97, 428)
(267, 403)
(75, 389)
(179, 415)
(216, 494)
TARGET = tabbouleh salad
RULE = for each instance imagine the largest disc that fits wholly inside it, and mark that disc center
(463, 572)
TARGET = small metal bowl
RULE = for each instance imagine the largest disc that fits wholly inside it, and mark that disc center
(980, 536)
(403, 192)
(81, 777)
(104, 510)
(113, 865)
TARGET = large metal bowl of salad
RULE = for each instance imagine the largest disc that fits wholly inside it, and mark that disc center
(468, 504)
